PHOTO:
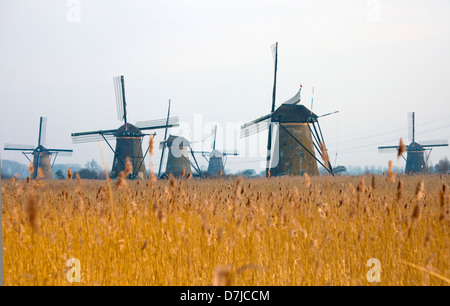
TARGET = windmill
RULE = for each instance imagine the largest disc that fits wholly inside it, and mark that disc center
(217, 159)
(41, 154)
(128, 136)
(299, 134)
(415, 159)
(178, 161)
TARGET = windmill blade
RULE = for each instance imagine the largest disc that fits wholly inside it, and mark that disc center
(165, 139)
(388, 150)
(410, 118)
(214, 133)
(60, 152)
(119, 88)
(93, 136)
(434, 143)
(42, 131)
(18, 147)
(255, 126)
(158, 123)
(387, 147)
(295, 99)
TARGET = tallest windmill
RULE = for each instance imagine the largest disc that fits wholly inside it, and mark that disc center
(128, 136)
(415, 152)
(298, 135)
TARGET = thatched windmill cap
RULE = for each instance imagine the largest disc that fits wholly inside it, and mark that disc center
(414, 146)
(128, 130)
(177, 141)
(293, 113)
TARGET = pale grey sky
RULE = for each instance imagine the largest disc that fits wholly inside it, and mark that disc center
(374, 61)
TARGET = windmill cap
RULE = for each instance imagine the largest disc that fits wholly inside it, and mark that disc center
(215, 153)
(293, 113)
(414, 146)
(128, 130)
(177, 141)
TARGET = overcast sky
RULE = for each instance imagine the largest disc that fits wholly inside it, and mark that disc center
(373, 61)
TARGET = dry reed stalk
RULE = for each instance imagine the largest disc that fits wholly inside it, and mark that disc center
(222, 276)
(445, 279)
(391, 173)
(419, 190)
(31, 168)
(69, 174)
(183, 172)
(40, 173)
(401, 149)
(31, 209)
(238, 189)
(128, 167)
(399, 190)
(306, 181)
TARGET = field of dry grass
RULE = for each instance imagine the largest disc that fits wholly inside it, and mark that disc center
(276, 231)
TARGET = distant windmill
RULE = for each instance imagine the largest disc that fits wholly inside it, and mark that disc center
(128, 136)
(298, 135)
(415, 160)
(215, 158)
(178, 161)
(41, 155)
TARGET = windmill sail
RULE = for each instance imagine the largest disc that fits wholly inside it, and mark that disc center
(42, 131)
(119, 88)
(158, 123)
(165, 139)
(434, 143)
(93, 136)
(255, 126)
(410, 118)
(18, 147)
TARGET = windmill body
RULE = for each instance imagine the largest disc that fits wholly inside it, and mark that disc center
(215, 164)
(128, 136)
(178, 156)
(416, 159)
(42, 165)
(41, 159)
(129, 144)
(216, 158)
(294, 158)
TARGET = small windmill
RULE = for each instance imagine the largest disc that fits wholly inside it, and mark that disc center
(299, 134)
(128, 136)
(179, 149)
(41, 154)
(216, 159)
(415, 152)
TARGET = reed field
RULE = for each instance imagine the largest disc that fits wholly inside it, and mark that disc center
(228, 231)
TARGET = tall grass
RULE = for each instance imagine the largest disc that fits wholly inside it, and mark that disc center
(263, 231)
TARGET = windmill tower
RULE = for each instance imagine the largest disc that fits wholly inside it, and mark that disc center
(415, 152)
(179, 149)
(41, 155)
(128, 136)
(217, 159)
(298, 135)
